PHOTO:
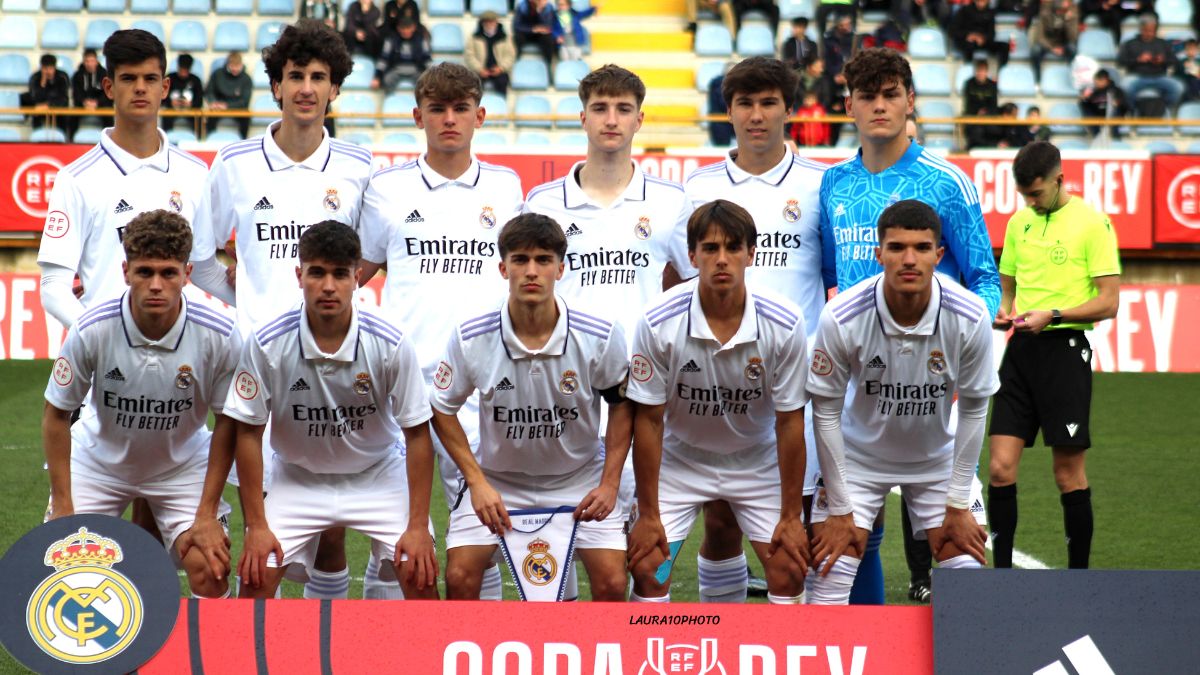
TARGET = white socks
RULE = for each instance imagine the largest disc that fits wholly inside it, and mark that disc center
(785, 600)
(327, 585)
(959, 562)
(634, 597)
(833, 589)
(722, 580)
(493, 584)
(376, 586)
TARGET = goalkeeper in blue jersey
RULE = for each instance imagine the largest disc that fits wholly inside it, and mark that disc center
(890, 167)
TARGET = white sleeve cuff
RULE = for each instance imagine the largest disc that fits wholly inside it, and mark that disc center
(58, 296)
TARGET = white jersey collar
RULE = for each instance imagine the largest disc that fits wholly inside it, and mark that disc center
(574, 196)
(133, 334)
(698, 323)
(556, 345)
(308, 344)
(773, 176)
(434, 180)
(278, 160)
(928, 325)
(127, 163)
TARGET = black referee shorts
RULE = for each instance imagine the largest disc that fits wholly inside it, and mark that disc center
(1046, 383)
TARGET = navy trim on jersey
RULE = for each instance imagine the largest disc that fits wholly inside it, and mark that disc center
(855, 305)
(466, 325)
(566, 338)
(786, 172)
(114, 160)
(263, 146)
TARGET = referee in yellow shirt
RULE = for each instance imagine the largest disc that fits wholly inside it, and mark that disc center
(1059, 273)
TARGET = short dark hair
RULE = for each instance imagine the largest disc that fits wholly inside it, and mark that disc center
(800, 21)
(184, 62)
(304, 41)
(89, 52)
(733, 221)
(532, 230)
(1038, 159)
(981, 63)
(48, 60)
(448, 82)
(1033, 109)
(611, 80)
(758, 74)
(130, 47)
(159, 235)
(332, 241)
(910, 214)
(871, 69)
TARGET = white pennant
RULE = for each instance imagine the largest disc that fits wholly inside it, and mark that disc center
(539, 550)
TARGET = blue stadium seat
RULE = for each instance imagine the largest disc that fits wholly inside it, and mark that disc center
(790, 9)
(73, 6)
(259, 75)
(447, 38)
(15, 69)
(177, 136)
(489, 138)
(234, 7)
(1019, 41)
(1161, 147)
(66, 64)
(569, 106)
(358, 138)
(1194, 147)
(480, 6)
(1099, 143)
(98, 30)
(713, 40)
(189, 36)
(705, 73)
(400, 104)
(9, 98)
(931, 79)
(1064, 110)
(276, 7)
(965, 72)
(191, 6)
(1071, 144)
(1173, 12)
(940, 143)
(265, 107)
(106, 6)
(21, 6)
(934, 109)
(567, 74)
(148, 6)
(20, 32)
(223, 136)
(400, 138)
(494, 103)
(573, 140)
(530, 74)
(1097, 44)
(533, 138)
(152, 27)
(362, 74)
(532, 104)
(9, 135)
(446, 8)
(231, 36)
(1189, 111)
(356, 103)
(926, 43)
(1058, 82)
(267, 34)
(47, 135)
(755, 40)
(1016, 81)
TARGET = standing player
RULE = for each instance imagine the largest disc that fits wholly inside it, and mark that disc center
(337, 386)
(889, 167)
(541, 367)
(266, 190)
(721, 414)
(1061, 273)
(779, 189)
(433, 221)
(155, 364)
(908, 341)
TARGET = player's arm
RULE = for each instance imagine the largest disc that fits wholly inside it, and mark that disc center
(1102, 306)
(373, 231)
(1008, 292)
(966, 235)
(56, 442)
(211, 276)
(61, 250)
(259, 542)
(838, 535)
(790, 535)
(648, 535)
(369, 270)
(828, 248)
(416, 542)
(206, 531)
(611, 375)
(58, 294)
(212, 226)
(959, 526)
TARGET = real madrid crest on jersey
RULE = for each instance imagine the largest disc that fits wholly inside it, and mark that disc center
(331, 202)
(184, 378)
(487, 218)
(176, 202)
(754, 369)
(791, 212)
(362, 384)
(569, 383)
(642, 229)
(937, 362)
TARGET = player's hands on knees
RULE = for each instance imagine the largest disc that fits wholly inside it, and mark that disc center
(597, 504)
(959, 528)
(210, 538)
(791, 538)
(422, 565)
(832, 539)
(489, 506)
(258, 544)
(647, 538)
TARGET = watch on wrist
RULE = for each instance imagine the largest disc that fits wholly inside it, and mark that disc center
(1055, 317)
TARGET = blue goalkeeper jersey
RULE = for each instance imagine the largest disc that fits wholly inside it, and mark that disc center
(852, 199)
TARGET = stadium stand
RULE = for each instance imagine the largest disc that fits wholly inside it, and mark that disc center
(152, 27)
(191, 6)
(362, 74)
(98, 31)
(713, 40)
(188, 36)
(277, 7)
(148, 6)
(530, 74)
(14, 69)
(58, 34)
(106, 6)
(20, 32)
(755, 40)
(931, 79)
(72, 6)
(532, 104)
(401, 104)
(231, 36)
(446, 8)
(21, 6)
(569, 107)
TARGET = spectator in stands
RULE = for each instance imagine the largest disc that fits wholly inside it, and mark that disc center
(361, 28)
(574, 40)
(87, 86)
(980, 98)
(1150, 59)
(394, 10)
(768, 7)
(934, 12)
(719, 133)
(325, 11)
(974, 29)
(814, 79)
(1108, 12)
(48, 88)
(230, 88)
(404, 56)
(838, 47)
(490, 53)
(1012, 135)
(1188, 70)
(811, 133)
(1040, 132)
(186, 91)
(837, 8)
(1103, 99)
(722, 8)
(1054, 32)
(798, 51)
(534, 23)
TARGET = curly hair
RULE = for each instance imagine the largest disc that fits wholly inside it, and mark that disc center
(758, 74)
(532, 230)
(448, 82)
(158, 235)
(612, 80)
(305, 41)
(332, 241)
(870, 70)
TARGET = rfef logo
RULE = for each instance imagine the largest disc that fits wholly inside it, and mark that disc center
(664, 659)
(1183, 198)
(32, 182)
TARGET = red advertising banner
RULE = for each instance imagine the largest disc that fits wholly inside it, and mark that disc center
(1177, 199)
(1154, 330)
(498, 638)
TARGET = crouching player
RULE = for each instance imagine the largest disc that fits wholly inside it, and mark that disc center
(542, 369)
(907, 341)
(155, 365)
(338, 385)
(721, 411)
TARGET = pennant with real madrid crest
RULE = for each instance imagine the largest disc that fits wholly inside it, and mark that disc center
(539, 550)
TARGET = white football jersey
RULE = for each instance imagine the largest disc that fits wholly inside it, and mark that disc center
(329, 413)
(539, 410)
(262, 197)
(616, 254)
(785, 205)
(96, 196)
(719, 398)
(150, 399)
(899, 382)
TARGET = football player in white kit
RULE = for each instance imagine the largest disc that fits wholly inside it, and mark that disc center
(336, 385)
(542, 368)
(780, 190)
(433, 222)
(155, 365)
(910, 341)
(266, 190)
(721, 411)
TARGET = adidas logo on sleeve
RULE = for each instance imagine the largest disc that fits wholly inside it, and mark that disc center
(504, 385)
(115, 374)
(299, 385)
(573, 230)
(689, 367)
(123, 207)
(414, 217)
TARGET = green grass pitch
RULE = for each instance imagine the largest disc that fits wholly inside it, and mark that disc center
(1145, 428)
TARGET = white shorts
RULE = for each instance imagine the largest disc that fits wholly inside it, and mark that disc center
(747, 479)
(926, 502)
(173, 500)
(302, 505)
(466, 529)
